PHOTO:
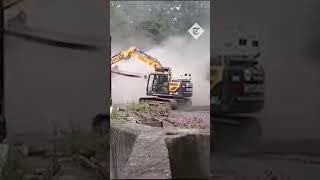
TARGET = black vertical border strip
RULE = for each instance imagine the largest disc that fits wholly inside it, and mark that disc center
(108, 74)
(211, 120)
(2, 78)
(108, 58)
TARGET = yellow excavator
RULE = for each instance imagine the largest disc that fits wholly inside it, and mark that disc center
(237, 76)
(161, 86)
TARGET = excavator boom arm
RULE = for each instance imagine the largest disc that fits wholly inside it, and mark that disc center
(138, 54)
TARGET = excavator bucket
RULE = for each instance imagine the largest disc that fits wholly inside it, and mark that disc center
(123, 73)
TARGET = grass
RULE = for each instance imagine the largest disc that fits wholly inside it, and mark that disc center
(130, 107)
(119, 115)
(15, 168)
(155, 108)
(139, 107)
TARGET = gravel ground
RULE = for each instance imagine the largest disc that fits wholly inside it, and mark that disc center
(205, 115)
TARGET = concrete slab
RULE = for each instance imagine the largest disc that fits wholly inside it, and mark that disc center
(149, 158)
(143, 152)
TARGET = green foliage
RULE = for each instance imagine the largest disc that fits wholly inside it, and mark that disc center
(15, 168)
(119, 115)
(139, 107)
(119, 21)
(154, 30)
(157, 19)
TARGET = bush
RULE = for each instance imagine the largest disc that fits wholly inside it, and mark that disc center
(139, 107)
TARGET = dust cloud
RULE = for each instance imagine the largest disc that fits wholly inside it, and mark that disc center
(183, 54)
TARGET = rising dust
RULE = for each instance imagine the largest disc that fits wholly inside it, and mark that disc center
(182, 53)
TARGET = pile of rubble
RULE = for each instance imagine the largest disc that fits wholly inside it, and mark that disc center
(142, 113)
(156, 114)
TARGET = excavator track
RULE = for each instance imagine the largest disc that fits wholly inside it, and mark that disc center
(171, 102)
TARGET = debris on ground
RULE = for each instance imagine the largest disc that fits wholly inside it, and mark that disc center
(157, 114)
(190, 122)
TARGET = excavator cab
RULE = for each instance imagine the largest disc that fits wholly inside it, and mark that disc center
(158, 84)
(161, 85)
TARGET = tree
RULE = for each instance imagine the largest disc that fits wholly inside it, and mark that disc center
(159, 19)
